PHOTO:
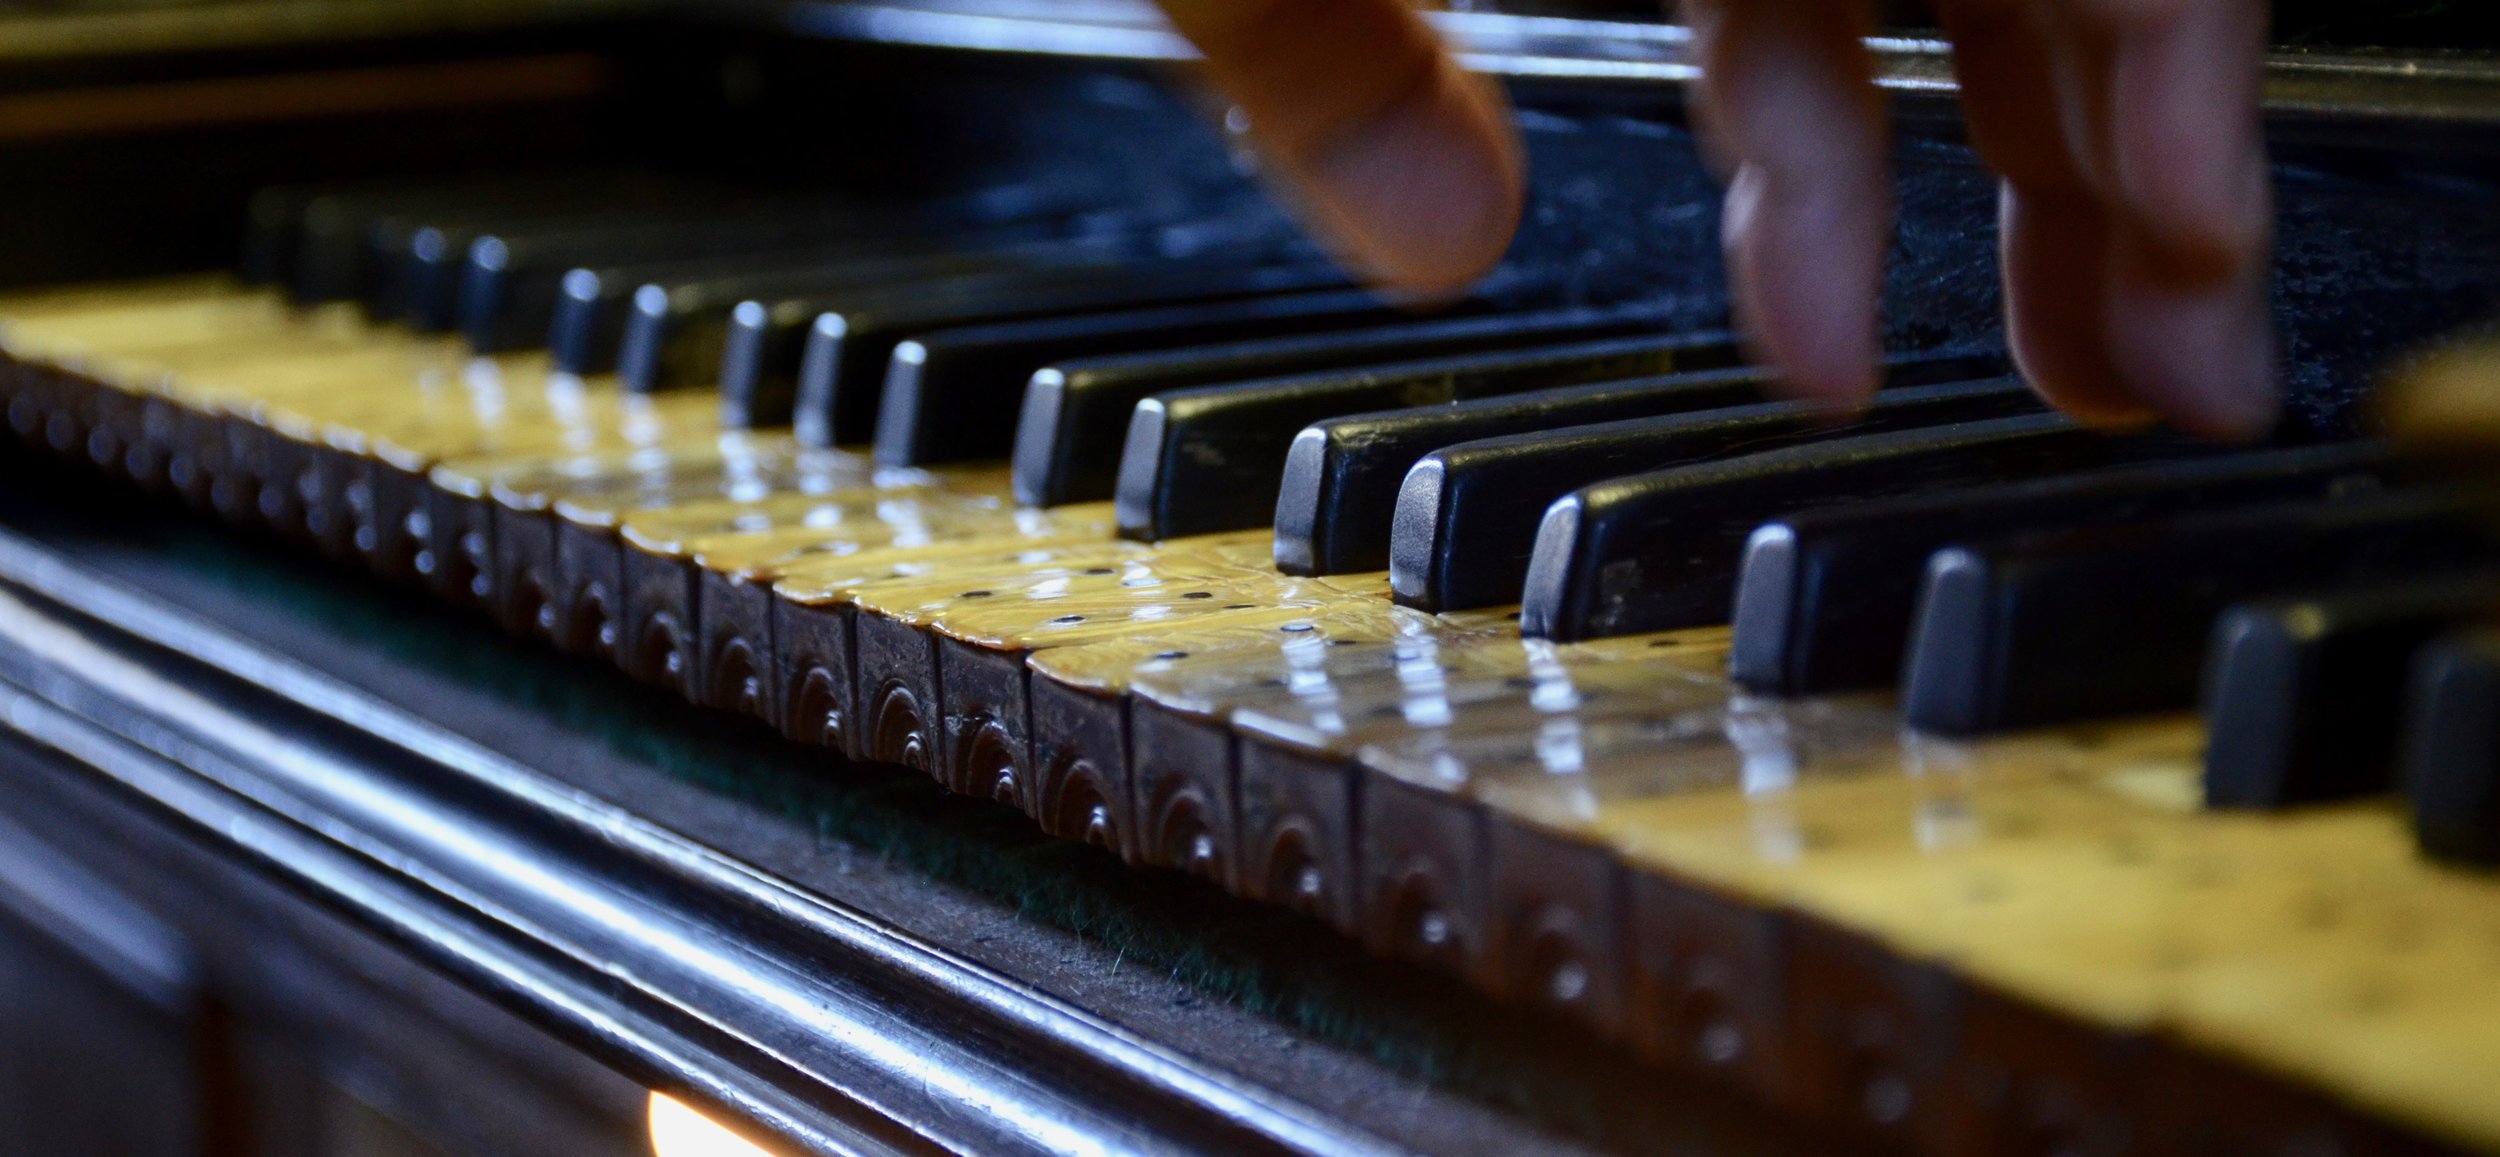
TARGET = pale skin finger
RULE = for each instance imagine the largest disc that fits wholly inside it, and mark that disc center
(2184, 176)
(1407, 162)
(2134, 209)
(2054, 230)
(1793, 110)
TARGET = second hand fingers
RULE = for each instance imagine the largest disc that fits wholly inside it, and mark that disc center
(2188, 192)
(1809, 211)
(2053, 230)
(2186, 145)
(2104, 313)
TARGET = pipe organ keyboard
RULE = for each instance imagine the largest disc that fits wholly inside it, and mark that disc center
(1951, 775)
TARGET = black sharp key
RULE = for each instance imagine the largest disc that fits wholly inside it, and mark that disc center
(1210, 458)
(955, 395)
(431, 263)
(392, 285)
(596, 308)
(430, 252)
(672, 333)
(1824, 598)
(509, 278)
(2451, 760)
(1076, 411)
(510, 282)
(1467, 515)
(2304, 697)
(413, 257)
(760, 353)
(333, 254)
(763, 354)
(2063, 625)
(1339, 496)
(331, 257)
(351, 241)
(596, 305)
(1657, 551)
(429, 275)
(416, 258)
(666, 322)
(592, 303)
(848, 344)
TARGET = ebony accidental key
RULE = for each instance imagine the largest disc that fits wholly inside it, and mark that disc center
(2052, 627)
(955, 395)
(2303, 696)
(674, 331)
(1468, 515)
(511, 278)
(2451, 768)
(1824, 599)
(1659, 551)
(1076, 410)
(850, 340)
(1208, 459)
(1342, 476)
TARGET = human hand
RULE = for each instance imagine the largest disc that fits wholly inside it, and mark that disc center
(2135, 209)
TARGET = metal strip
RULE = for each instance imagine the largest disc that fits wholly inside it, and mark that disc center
(114, 934)
(661, 955)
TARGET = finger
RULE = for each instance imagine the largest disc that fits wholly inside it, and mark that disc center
(1406, 161)
(2077, 47)
(1809, 211)
(2058, 302)
(2055, 235)
(2190, 194)
(2186, 138)
(1701, 20)
(2202, 353)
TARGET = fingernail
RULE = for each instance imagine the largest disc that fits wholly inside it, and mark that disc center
(1424, 195)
